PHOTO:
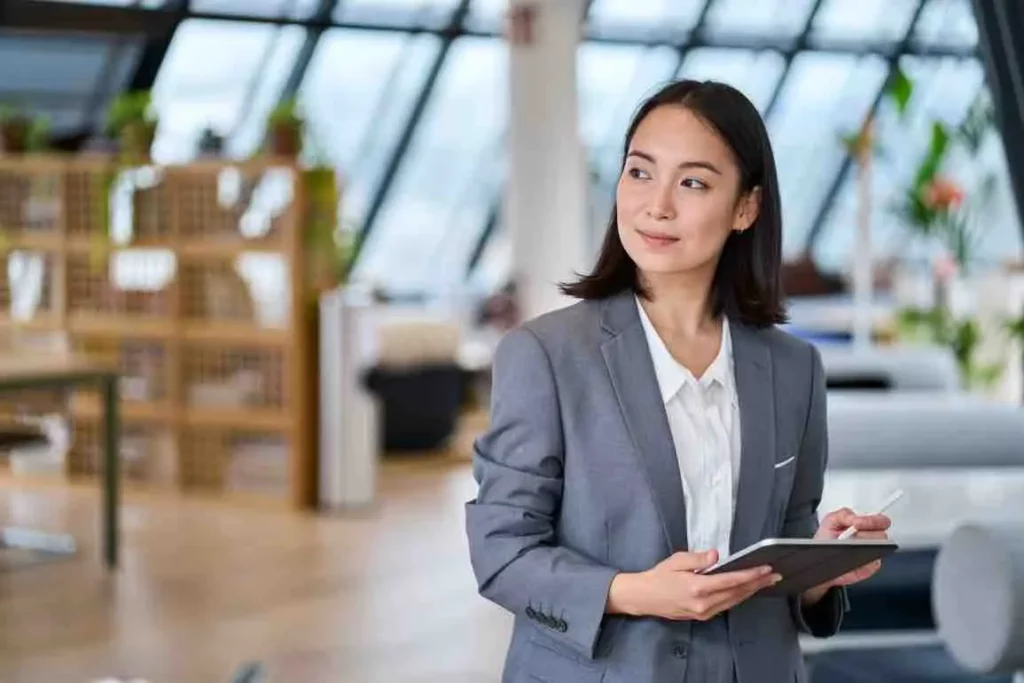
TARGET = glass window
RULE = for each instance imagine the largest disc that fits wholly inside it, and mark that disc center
(613, 79)
(358, 94)
(943, 90)
(294, 9)
(446, 184)
(864, 20)
(651, 19)
(265, 92)
(755, 73)
(494, 269)
(70, 65)
(397, 13)
(742, 18)
(823, 96)
(947, 23)
(487, 15)
(206, 80)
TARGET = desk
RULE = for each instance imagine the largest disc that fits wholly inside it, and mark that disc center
(28, 371)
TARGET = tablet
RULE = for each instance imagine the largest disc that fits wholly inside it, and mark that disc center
(804, 562)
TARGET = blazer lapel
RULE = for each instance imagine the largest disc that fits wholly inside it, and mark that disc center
(754, 388)
(636, 388)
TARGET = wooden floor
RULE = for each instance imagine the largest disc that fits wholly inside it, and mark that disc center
(383, 596)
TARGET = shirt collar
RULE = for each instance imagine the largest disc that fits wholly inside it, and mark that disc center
(672, 375)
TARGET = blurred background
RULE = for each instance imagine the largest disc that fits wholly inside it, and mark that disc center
(255, 257)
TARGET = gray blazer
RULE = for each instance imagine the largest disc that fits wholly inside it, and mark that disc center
(578, 480)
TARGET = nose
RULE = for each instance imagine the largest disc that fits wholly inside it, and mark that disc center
(662, 205)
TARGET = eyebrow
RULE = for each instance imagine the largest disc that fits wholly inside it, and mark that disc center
(697, 163)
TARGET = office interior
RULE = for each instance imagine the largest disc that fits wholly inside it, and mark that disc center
(256, 256)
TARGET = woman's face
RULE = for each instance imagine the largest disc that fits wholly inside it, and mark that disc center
(676, 199)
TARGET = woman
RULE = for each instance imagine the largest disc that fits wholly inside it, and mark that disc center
(659, 424)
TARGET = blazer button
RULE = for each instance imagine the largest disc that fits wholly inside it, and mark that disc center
(532, 613)
(562, 626)
(679, 650)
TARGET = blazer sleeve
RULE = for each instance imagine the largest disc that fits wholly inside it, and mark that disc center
(824, 618)
(510, 525)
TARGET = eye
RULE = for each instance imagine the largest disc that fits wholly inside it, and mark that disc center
(638, 173)
(694, 184)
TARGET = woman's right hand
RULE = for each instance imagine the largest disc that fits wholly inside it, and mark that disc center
(673, 589)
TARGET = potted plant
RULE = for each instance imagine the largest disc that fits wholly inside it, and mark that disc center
(132, 122)
(15, 128)
(330, 241)
(285, 130)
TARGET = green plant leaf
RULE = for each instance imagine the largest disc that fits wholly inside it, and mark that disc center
(933, 158)
(978, 121)
(1015, 328)
(899, 90)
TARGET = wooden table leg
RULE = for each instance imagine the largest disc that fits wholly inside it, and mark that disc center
(111, 477)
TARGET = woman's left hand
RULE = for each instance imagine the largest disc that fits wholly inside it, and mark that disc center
(834, 524)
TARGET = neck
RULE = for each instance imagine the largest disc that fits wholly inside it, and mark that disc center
(680, 303)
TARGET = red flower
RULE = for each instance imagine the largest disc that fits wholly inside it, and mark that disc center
(942, 194)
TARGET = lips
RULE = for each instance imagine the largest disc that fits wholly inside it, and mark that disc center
(657, 239)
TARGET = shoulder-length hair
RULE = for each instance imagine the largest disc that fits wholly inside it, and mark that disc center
(747, 283)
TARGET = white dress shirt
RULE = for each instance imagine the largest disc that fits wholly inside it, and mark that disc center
(704, 418)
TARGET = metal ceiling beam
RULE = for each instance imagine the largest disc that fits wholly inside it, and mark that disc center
(74, 17)
(1001, 43)
(405, 139)
(844, 168)
(324, 11)
(799, 44)
(158, 42)
(82, 18)
(321, 17)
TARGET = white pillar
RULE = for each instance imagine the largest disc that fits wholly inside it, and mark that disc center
(545, 207)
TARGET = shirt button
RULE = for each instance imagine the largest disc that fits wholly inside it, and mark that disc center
(679, 650)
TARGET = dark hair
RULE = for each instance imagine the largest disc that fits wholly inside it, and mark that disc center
(747, 285)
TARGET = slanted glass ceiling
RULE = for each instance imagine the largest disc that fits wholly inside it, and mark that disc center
(413, 114)
(69, 79)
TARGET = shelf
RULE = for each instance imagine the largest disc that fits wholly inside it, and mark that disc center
(45, 323)
(219, 249)
(179, 310)
(137, 327)
(88, 406)
(256, 420)
(29, 240)
(235, 333)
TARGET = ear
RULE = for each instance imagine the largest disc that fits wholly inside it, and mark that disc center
(747, 210)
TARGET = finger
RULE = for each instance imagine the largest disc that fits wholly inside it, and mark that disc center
(709, 585)
(688, 562)
(871, 522)
(872, 535)
(729, 599)
(859, 574)
(839, 519)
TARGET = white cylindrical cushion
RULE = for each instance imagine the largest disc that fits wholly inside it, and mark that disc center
(907, 430)
(978, 596)
(906, 368)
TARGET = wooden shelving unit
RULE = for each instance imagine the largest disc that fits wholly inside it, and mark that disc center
(192, 278)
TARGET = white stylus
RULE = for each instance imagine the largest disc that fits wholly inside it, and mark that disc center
(896, 495)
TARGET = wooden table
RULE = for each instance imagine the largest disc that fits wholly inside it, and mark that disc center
(31, 371)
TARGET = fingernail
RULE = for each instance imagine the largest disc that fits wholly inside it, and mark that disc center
(776, 579)
(765, 571)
